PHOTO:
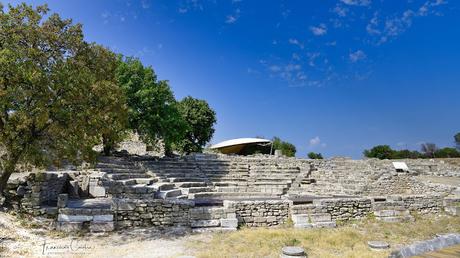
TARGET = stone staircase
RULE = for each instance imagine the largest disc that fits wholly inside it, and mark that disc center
(95, 215)
(123, 178)
(308, 216)
(391, 211)
(177, 177)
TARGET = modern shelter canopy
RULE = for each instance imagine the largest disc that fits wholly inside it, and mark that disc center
(236, 146)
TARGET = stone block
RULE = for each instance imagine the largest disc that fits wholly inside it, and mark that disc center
(74, 218)
(69, 226)
(229, 223)
(205, 223)
(126, 206)
(101, 226)
(103, 218)
(96, 191)
(62, 200)
(453, 210)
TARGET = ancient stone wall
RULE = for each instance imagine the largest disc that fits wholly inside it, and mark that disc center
(152, 212)
(38, 189)
(260, 213)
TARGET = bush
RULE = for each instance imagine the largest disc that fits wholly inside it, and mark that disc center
(286, 148)
(313, 155)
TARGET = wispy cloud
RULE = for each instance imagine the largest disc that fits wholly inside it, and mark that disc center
(315, 142)
(232, 18)
(319, 30)
(392, 26)
(357, 2)
(340, 10)
(357, 56)
(296, 42)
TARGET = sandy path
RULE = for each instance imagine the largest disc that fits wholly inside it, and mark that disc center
(21, 242)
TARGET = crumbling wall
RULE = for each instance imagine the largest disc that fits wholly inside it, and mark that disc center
(260, 213)
(152, 212)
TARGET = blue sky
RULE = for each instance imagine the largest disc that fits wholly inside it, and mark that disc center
(330, 76)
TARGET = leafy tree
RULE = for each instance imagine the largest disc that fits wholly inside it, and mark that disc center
(152, 109)
(428, 149)
(406, 154)
(380, 152)
(49, 94)
(313, 155)
(457, 140)
(111, 102)
(286, 148)
(447, 153)
(200, 119)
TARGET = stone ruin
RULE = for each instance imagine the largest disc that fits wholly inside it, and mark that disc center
(220, 192)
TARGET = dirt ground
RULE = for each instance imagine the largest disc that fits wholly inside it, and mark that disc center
(28, 237)
(19, 241)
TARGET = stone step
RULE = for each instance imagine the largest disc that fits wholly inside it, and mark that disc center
(126, 176)
(134, 181)
(169, 193)
(178, 179)
(330, 224)
(189, 184)
(205, 195)
(192, 190)
(163, 186)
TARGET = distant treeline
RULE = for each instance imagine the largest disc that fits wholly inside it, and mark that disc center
(427, 151)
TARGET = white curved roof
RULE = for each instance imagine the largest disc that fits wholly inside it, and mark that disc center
(238, 141)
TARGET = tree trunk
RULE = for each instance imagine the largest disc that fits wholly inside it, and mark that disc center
(8, 170)
(107, 145)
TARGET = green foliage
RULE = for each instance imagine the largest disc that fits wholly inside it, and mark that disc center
(430, 151)
(313, 155)
(200, 119)
(286, 148)
(50, 94)
(380, 152)
(109, 102)
(152, 109)
(447, 153)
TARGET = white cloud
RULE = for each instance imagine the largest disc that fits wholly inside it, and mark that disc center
(357, 2)
(315, 141)
(387, 28)
(296, 42)
(312, 58)
(319, 30)
(357, 56)
(340, 10)
(145, 4)
(233, 17)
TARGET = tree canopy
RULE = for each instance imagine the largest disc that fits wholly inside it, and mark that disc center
(200, 120)
(430, 151)
(313, 155)
(286, 148)
(50, 94)
(152, 108)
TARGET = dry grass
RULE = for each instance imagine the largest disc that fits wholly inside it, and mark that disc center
(349, 240)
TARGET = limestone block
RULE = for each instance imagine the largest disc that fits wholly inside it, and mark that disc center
(453, 210)
(62, 200)
(229, 223)
(69, 226)
(96, 191)
(103, 218)
(101, 226)
(205, 223)
(126, 206)
(74, 218)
